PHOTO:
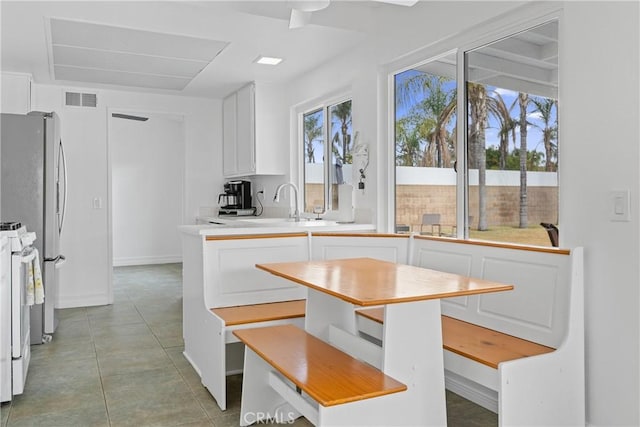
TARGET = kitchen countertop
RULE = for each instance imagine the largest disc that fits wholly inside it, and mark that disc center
(262, 225)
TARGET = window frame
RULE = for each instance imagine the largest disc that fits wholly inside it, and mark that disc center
(323, 105)
(461, 45)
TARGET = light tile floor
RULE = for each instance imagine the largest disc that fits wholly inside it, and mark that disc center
(122, 365)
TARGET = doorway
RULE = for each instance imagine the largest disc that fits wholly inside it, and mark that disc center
(147, 153)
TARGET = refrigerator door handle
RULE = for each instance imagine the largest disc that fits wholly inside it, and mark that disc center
(62, 159)
(60, 261)
(57, 261)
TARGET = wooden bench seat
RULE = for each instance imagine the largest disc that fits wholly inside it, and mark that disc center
(483, 345)
(290, 373)
(244, 314)
(328, 375)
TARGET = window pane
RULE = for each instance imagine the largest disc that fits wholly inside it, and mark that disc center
(425, 140)
(314, 147)
(513, 137)
(341, 144)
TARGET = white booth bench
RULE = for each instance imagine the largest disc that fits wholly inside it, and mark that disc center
(223, 292)
(540, 323)
(519, 353)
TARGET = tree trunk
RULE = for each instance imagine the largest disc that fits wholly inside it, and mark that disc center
(478, 105)
(547, 151)
(345, 143)
(504, 151)
(523, 100)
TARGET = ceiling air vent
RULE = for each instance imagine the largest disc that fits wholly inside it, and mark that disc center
(77, 99)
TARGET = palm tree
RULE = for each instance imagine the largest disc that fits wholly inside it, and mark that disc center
(523, 102)
(545, 107)
(312, 130)
(436, 107)
(408, 151)
(478, 112)
(507, 126)
(342, 140)
(441, 135)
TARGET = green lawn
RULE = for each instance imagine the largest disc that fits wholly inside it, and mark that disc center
(533, 235)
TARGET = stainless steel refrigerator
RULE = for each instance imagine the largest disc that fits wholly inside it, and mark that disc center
(34, 192)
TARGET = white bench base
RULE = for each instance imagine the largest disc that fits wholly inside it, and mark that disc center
(226, 355)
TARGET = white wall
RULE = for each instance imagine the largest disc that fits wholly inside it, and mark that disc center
(600, 110)
(147, 186)
(408, 175)
(599, 72)
(86, 277)
(353, 74)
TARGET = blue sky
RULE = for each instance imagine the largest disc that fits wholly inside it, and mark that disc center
(318, 143)
(534, 135)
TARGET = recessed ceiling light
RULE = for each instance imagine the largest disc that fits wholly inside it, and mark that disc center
(268, 60)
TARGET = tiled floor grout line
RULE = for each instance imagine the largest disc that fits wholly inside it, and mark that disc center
(174, 365)
(93, 343)
(190, 388)
(187, 382)
(164, 349)
(10, 408)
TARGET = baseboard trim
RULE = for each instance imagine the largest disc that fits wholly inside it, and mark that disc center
(146, 260)
(73, 301)
(192, 363)
(472, 391)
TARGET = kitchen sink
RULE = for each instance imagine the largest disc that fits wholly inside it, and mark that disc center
(289, 222)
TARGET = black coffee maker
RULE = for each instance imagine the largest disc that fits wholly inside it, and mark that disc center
(236, 199)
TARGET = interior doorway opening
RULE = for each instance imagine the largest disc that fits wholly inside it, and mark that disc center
(146, 194)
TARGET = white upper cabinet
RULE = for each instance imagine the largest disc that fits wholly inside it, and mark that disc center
(255, 125)
(229, 124)
(245, 136)
(16, 93)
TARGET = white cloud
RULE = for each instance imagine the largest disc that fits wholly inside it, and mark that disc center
(505, 92)
(536, 115)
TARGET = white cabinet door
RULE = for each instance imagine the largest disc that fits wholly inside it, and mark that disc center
(255, 130)
(16, 93)
(229, 136)
(246, 131)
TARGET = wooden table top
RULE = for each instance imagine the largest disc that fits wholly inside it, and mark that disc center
(366, 281)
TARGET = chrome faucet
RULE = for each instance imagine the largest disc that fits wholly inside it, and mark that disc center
(276, 198)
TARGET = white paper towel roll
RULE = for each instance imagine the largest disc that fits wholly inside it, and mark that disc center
(345, 203)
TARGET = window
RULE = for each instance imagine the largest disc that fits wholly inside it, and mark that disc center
(425, 126)
(510, 142)
(322, 179)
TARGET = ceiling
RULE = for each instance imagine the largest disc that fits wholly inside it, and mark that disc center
(208, 48)
(97, 53)
(523, 62)
(191, 48)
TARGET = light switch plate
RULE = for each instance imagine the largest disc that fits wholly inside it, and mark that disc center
(619, 203)
(97, 203)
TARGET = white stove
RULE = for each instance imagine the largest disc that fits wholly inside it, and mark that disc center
(15, 352)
